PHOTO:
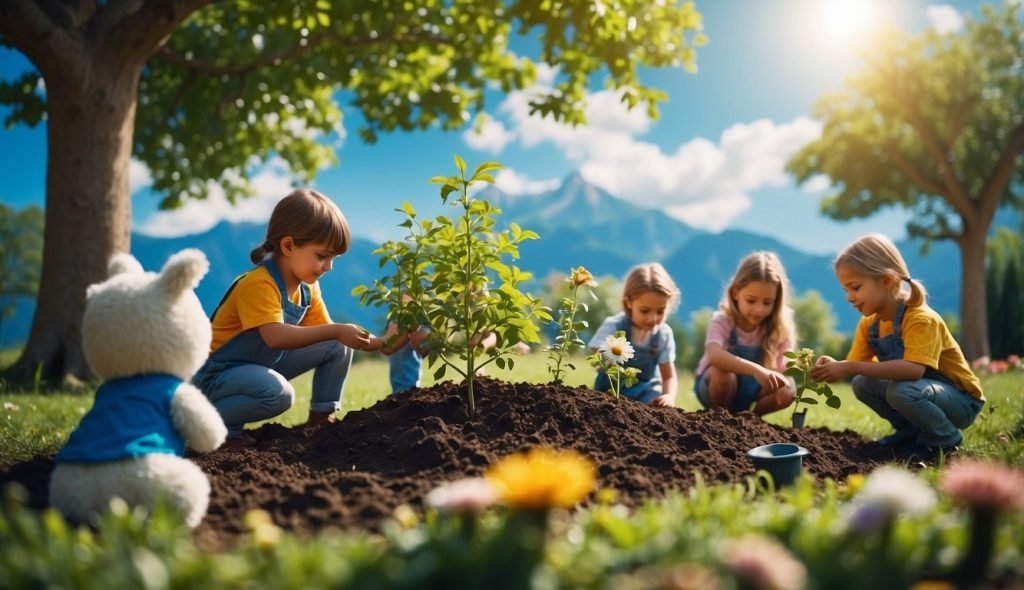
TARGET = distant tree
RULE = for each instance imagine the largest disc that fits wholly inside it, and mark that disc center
(682, 339)
(199, 91)
(816, 324)
(933, 123)
(699, 321)
(1004, 274)
(21, 249)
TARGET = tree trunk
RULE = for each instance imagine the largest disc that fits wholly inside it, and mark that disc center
(973, 325)
(90, 120)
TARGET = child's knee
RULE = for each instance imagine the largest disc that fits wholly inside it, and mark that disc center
(901, 393)
(721, 382)
(861, 386)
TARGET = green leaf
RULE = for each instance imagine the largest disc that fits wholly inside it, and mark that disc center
(500, 362)
(834, 402)
(460, 164)
(439, 373)
(486, 167)
(809, 401)
(408, 208)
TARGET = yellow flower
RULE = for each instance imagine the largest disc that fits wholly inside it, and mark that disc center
(265, 534)
(932, 585)
(542, 478)
(581, 276)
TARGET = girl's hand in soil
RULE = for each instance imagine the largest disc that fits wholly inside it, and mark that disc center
(666, 400)
(770, 381)
(829, 369)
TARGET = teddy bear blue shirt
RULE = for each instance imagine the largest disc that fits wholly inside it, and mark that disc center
(131, 417)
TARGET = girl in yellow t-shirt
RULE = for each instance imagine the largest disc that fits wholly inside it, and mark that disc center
(905, 364)
(272, 324)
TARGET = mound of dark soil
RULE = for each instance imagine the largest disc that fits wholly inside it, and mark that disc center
(355, 472)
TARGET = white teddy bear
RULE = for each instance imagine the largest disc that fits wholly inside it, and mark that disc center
(145, 334)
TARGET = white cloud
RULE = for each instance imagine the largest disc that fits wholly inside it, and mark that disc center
(511, 182)
(703, 182)
(139, 176)
(817, 184)
(271, 184)
(944, 18)
(491, 137)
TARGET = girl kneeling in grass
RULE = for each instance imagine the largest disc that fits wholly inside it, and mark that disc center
(905, 364)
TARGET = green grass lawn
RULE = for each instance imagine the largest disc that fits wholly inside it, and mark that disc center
(39, 423)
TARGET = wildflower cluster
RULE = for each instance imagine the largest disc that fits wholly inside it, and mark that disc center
(568, 328)
(611, 358)
(986, 366)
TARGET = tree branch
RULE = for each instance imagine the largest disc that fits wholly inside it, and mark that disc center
(992, 192)
(919, 177)
(955, 193)
(30, 29)
(315, 41)
(137, 28)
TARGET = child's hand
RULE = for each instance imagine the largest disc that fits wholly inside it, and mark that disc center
(353, 336)
(829, 369)
(376, 343)
(770, 381)
(666, 400)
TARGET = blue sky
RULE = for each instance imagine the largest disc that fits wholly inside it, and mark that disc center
(714, 159)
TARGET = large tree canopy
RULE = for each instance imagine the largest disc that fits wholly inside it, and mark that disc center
(201, 91)
(933, 123)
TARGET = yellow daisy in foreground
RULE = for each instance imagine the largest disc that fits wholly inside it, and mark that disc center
(542, 478)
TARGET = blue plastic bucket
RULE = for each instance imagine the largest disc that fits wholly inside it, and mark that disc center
(783, 461)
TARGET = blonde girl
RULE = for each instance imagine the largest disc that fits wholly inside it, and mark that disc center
(747, 339)
(648, 296)
(272, 324)
(904, 362)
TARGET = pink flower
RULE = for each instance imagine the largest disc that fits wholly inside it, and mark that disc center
(471, 494)
(975, 482)
(981, 362)
(998, 366)
(764, 563)
(1014, 360)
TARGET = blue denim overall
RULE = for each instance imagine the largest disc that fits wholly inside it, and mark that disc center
(931, 409)
(645, 358)
(247, 381)
(404, 370)
(747, 387)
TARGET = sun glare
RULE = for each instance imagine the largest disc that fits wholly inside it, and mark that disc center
(845, 19)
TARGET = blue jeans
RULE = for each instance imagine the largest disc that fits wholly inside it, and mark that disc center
(246, 392)
(935, 410)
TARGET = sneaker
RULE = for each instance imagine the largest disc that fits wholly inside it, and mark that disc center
(242, 441)
(919, 452)
(317, 419)
(898, 439)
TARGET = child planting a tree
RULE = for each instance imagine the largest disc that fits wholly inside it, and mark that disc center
(904, 362)
(648, 296)
(272, 324)
(747, 338)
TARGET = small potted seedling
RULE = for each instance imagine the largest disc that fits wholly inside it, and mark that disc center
(799, 367)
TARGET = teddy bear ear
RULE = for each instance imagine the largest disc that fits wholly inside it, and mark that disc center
(121, 263)
(184, 270)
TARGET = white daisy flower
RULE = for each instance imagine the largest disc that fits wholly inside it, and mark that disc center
(887, 493)
(616, 350)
